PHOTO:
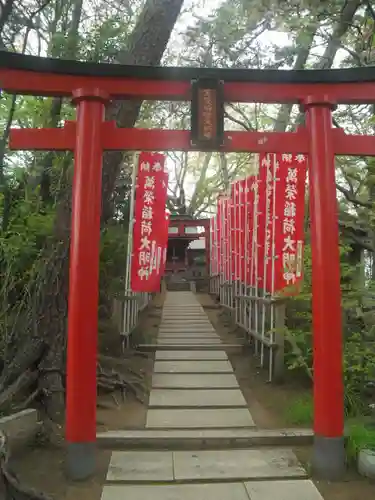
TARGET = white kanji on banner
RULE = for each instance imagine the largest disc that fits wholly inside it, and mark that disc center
(146, 227)
(145, 166)
(150, 182)
(147, 213)
(145, 243)
(148, 197)
(143, 273)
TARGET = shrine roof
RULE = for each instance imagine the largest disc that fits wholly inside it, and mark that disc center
(11, 60)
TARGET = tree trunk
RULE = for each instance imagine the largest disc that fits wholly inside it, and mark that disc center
(42, 343)
(146, 46)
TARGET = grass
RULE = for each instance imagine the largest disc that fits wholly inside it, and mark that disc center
(359, 436)
(300, 412)
(359, 432)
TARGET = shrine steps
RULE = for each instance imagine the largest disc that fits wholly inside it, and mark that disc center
(200, 440)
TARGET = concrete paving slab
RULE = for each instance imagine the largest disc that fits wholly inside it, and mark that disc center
(190, 355)
(192, 311)
(195, 346)
(194, 381)
(193, 335)
(180, 339)
(181, 321)
(184, 310)
(194, 319)
(187, 341)
(178, 439)
(188, 418)
(182, 307)
(175, 314)
(184, 314)
(190, 336)
(201, 398)
(221, 491)
(289, 489)
(237, 464)
(200, 315)
(140, 466)
(193, 366)
(187, 328)
(186, 323)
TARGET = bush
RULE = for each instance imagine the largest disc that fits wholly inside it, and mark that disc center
(358, 352)
(359, 437)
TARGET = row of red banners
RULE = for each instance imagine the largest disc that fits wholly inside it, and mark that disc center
(257, 234)
(150, 224)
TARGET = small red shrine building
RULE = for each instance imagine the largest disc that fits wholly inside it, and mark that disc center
(188, 250)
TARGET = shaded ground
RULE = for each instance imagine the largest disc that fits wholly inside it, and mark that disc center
(269, 403)
(43, 468)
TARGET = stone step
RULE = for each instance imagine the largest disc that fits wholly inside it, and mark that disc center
(185, 366)
(190, 355)
(194, 381)
(174, 439)
(174, 310)
(188, 331)
(186, 324)
(190, 347)
(188, 341)
(217, 418)
(204, 465)
(196, 398)
(192, 337)
(195, 338)
(289, 489)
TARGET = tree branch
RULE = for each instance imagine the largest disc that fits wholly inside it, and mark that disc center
(350, 197)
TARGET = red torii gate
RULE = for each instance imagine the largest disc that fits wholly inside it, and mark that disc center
(92, 86)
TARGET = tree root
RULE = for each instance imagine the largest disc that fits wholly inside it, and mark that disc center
(10, 487)
(29, 386)
(110, 381)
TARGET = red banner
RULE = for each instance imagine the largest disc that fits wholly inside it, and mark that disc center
(149, 223)
(289, 223)
(235, 229)
(226, 239)
(280, 215)
(214, 270)
(260, 230)
(164, 243)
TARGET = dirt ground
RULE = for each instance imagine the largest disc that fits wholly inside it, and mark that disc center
(42, 468)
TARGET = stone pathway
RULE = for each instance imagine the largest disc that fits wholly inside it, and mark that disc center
(199, 438)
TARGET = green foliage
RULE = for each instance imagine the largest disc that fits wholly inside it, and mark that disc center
(358, 352)
(114, 241)
(359, 437)
(300, 412)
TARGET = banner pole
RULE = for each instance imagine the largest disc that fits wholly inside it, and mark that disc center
(130, 233)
